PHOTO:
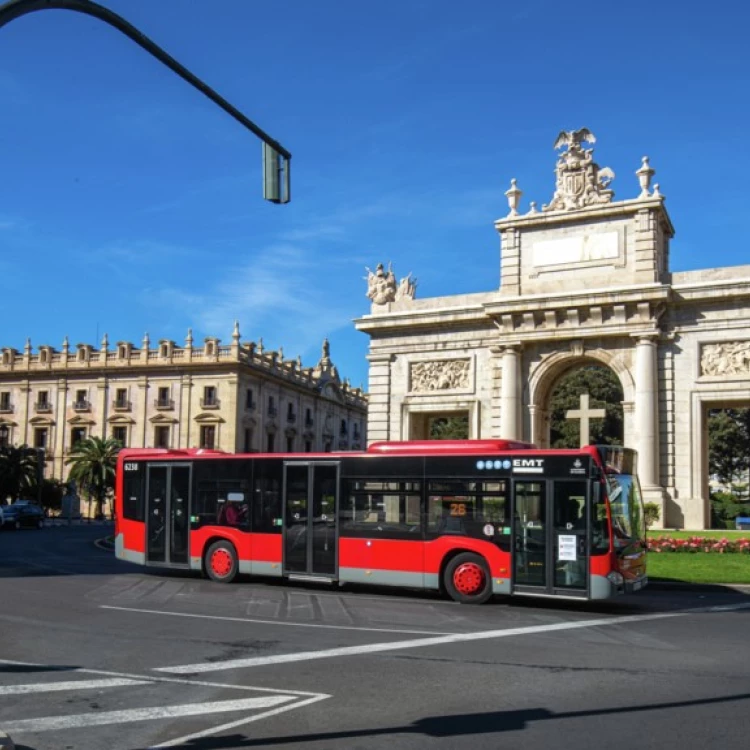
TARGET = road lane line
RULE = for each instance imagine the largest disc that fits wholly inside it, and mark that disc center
(234, 724)
(272, 622)
(52, 687)
(373, 648)
(48, 723)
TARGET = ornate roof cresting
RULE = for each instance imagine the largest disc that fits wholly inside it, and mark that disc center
(580, 180)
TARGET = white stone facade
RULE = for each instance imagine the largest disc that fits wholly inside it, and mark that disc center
(584, 280)
(236, 398)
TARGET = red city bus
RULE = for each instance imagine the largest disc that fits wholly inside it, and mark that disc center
(471, 518)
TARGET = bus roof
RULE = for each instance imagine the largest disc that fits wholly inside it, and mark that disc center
(429, 447)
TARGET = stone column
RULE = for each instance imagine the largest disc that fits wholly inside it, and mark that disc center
(646, 412)
(510, 394)
(379, 404)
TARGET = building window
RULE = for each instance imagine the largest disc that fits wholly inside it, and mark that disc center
(77, 434)
(161, 436)
(40, 437)
(308, 418)
(271, 407)
(248, 440)
(81, 403)
(210, 399)
(249, 402)
(120, 434)
(343, 430)
(270, 440)
(43, 398)
(164, 400)
(290, 445)
(4, 436)
(5, 401)
(208, 436)
(308, 446)
(290, 415)
(121, 399)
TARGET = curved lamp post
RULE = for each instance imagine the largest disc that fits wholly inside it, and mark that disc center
(276, 175)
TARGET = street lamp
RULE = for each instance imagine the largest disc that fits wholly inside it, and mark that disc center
(276, 158)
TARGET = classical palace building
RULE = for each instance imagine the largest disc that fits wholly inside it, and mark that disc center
(236, 398)
(584, 280)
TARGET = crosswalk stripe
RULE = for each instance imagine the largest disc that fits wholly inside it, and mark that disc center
(53, 687)
(47, 723)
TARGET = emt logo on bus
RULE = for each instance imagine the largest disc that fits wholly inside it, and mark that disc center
(529, 465)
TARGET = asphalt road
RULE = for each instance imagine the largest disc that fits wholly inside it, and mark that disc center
(101, 655)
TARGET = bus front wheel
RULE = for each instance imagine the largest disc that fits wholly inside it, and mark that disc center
(467, 579)
(221, 562)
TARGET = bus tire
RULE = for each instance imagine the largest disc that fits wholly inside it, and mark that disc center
(467, 579)
(221, 562)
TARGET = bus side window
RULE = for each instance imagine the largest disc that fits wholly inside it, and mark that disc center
(599, 524)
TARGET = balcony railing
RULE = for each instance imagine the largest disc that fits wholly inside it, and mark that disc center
(82, 405)
(43, 408)
(164, 404)
(272, 411)
(291, 417)
(7, 408)
(309, 422)
(251, 406)
(120, 404)
(210, 403)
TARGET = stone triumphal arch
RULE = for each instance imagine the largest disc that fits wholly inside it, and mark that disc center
(585, 279)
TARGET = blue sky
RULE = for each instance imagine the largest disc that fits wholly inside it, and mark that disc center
(129, 203)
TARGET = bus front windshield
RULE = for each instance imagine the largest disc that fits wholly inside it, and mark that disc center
(626, 509)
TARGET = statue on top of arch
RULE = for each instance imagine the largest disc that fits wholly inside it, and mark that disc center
(580, 180)
(382, 287)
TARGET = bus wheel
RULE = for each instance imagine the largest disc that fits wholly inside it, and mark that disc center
(467, 579)
(221, 562)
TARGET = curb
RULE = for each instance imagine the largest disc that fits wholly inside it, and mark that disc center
(6, 743)
(742, 588)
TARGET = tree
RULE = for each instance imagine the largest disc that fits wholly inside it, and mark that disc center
(18, 471)
(449, 428)
(92, 463)
(605, 392)
(728, 444)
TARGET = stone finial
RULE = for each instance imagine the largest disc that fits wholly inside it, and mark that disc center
(532, 207)
(27, 348)
(66, 345)
(236, 332)
(189, 339)
(105, 342)
(260, 345)
(299, 363)
(644, 174)
(514, 197)
(656, 193)
(281, 354)
(146, 340)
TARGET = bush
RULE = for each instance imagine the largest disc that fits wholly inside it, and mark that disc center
(700, 544)
(652, 514)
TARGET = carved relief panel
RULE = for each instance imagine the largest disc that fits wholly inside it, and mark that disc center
(439, 375)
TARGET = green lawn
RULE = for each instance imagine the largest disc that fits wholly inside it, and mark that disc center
(699, 567)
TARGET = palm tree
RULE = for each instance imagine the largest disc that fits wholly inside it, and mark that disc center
(18, 471)
(92, 463)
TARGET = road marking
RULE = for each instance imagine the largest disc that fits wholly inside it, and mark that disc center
(232, 725)
(272, 622)
(284, 700)
(374, 648)
(52, 687)
(48, 723)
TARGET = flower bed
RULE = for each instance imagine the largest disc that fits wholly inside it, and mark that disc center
(699, 544)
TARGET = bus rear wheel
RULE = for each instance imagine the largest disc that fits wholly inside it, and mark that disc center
(221, 562)
(467, 579)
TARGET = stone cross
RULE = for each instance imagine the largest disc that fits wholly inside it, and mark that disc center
(585, 414)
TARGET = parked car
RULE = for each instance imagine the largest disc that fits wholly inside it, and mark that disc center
(23, 513)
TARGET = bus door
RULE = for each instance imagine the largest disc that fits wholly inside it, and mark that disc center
(168, 514)
(310, 519)
(550, 537)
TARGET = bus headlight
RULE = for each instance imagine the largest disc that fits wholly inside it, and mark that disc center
(616, 578)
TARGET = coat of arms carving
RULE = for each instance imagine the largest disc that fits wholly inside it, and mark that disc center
(580, 180)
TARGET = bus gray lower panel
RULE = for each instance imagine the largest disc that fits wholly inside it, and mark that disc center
(196, 563)
(382, 577)
(501, 585)
(128, 554)
(601, 587)
(257, 568)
